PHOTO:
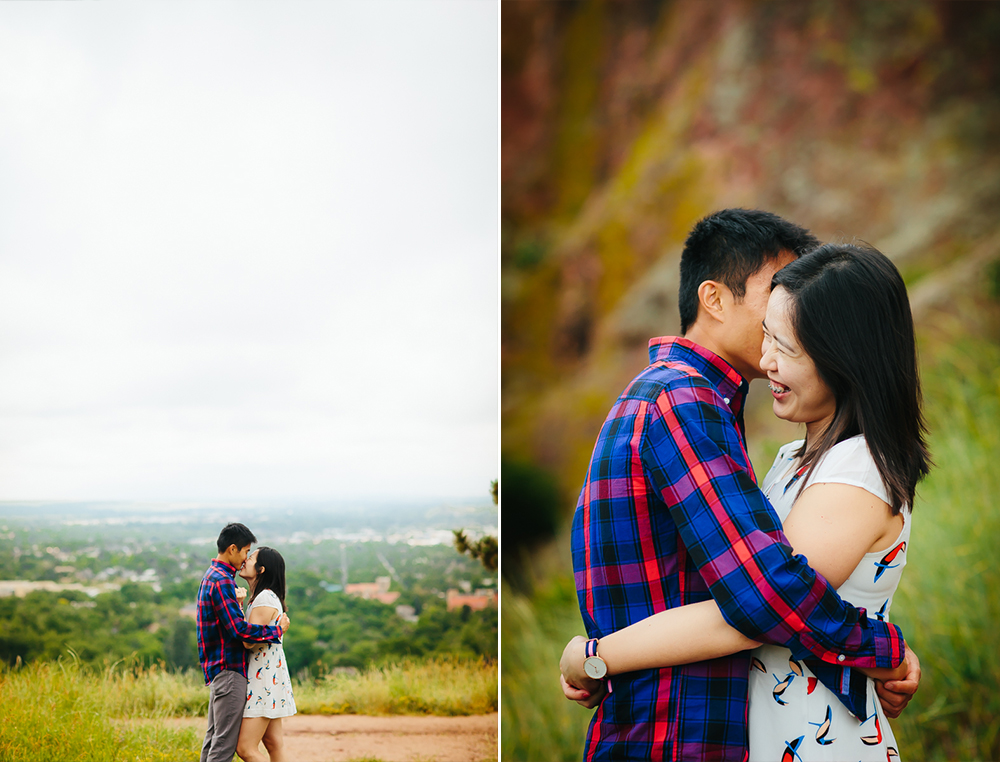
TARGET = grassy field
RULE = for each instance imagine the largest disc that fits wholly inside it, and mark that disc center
(62, 711)
(444, 687)
(948, 604)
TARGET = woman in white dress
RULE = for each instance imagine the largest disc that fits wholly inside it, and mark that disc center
(269, 689)
(840, 357)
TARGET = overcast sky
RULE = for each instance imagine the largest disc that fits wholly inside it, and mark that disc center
(248, 250)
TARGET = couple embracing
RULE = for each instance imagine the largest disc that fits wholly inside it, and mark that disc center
(731, 620)
(241, 655)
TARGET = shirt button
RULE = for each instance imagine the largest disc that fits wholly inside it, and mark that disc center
(841, 657)
(726, 399)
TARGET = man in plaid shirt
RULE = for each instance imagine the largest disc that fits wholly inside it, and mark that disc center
(222, 629)
(670, 514)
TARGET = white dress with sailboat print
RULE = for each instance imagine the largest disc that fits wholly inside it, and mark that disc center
(792, 715)
(269, 690)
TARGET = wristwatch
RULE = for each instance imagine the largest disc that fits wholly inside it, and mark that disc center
(593, 664)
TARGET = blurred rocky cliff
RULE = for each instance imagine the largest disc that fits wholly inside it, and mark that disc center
(623, 123)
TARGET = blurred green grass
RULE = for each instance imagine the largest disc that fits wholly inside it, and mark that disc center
(536, 722)
(948, 604)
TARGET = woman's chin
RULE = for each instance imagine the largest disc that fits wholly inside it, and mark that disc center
(781, 411)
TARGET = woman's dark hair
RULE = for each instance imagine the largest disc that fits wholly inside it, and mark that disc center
(729, 246)
(273, 575)
(850, 312)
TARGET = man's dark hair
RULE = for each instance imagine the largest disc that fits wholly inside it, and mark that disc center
(850, 313)
(730, 246)
(235, 534)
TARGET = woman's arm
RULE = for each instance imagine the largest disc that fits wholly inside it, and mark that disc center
(260, 615)
(833, 525)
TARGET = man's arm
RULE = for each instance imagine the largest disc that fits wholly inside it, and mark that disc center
(694, 457)
(231, 616)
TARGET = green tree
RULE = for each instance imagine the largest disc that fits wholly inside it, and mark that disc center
(485, 548)
(180, 645)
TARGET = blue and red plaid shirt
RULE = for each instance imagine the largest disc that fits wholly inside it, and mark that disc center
(670, 514)
(222, 627)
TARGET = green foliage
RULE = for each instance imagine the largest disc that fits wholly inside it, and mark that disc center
(993, 280)
(528, 251)
(335, 630)
(181, 644)
(531, 503)
(329, 629)
(483, 550)
(948, 604)
(43, 625)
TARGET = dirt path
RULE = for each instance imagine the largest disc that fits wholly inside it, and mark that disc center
(321, 738)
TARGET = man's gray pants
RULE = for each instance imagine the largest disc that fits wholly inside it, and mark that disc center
(226, 700)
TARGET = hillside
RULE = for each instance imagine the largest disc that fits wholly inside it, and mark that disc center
(624, 123)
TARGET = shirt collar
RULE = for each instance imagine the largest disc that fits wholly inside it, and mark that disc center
(224, 567)
(726, 379)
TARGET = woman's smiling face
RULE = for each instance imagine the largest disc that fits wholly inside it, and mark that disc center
(800, 394)
(249, 569)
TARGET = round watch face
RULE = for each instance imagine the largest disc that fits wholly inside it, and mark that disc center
(595, 667)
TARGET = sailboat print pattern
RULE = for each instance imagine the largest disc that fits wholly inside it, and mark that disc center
(269, 689)
(793, 716)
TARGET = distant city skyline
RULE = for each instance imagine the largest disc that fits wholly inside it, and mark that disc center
(249, 251)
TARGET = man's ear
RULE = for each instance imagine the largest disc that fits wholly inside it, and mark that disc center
(712, 299)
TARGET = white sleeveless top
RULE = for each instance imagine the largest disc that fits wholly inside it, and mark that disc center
(269, 689)
(791, 712)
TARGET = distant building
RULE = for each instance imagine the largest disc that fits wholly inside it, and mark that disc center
(373, 591)
(407, 613)
(476, 601)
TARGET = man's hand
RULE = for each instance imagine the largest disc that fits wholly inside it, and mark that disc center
(283, 622)
(894, 695)
(576, 684)
(241, 594)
